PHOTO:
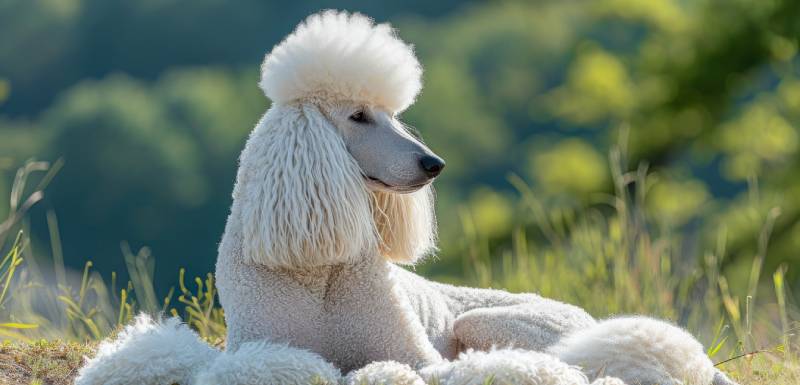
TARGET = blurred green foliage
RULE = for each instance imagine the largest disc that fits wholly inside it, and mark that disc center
(149, 103)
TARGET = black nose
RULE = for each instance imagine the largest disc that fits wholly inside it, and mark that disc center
(432, 165)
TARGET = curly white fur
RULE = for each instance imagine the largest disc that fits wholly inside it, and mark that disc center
(336, 55)
(502, 367)
(261, 363)
(148, 352)
(384, 373)
(608, 381)
(638, 350)
(300, 196)
(505, 367)
(315, 209)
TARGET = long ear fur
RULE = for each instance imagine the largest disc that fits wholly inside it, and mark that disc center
(406, 224)
(301, 196)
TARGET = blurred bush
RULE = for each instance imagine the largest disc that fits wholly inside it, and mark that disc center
(149, 103)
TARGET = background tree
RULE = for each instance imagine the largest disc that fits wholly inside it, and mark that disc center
(150, 102)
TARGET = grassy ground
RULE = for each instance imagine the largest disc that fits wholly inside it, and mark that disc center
(41, 363)
(615, 261)
(764, 370)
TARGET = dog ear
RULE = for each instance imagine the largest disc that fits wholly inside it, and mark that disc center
(406, 224)
(303, 201)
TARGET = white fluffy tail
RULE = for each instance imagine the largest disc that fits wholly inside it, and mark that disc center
(148, 352)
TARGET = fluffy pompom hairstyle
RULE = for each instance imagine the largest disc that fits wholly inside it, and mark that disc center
(336, 55)
(300, 198)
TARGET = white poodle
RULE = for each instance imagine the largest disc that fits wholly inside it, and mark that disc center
(333, 192)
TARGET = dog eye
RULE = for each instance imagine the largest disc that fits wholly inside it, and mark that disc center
(359, 117)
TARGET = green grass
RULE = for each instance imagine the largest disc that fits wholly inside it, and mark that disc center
(625, 263)
(612, 260)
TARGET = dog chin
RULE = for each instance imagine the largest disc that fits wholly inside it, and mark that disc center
(376, 185)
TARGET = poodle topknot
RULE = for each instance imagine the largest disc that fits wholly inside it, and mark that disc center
(336, 55)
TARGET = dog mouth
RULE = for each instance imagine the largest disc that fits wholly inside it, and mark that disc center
(377, 184)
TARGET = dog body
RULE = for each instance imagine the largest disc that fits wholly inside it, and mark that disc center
(356, 314)
(333, 192)
(335, 311)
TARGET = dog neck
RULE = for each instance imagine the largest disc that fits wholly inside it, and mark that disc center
(321, 281)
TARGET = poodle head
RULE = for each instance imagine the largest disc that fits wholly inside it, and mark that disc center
(330, 175)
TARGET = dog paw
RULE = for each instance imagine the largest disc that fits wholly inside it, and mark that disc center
(265, 363)
(503, 367)
(384, 373)
(608, 381)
